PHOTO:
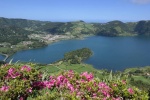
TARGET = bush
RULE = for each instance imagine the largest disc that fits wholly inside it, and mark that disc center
(16, 82)
(24, 82)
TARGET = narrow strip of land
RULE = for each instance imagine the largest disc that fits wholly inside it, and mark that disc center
(6, 57)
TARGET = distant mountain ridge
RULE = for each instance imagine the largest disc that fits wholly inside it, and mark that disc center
(20, 28)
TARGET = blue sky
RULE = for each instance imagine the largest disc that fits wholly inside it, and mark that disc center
(71, 10)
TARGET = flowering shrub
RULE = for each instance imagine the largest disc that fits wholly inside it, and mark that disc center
(16, 81)
(24, 82)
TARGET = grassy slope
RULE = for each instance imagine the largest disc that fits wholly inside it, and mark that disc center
(55, 68)
(102, 74)
(139, 77)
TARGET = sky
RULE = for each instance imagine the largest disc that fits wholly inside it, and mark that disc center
(73, 10)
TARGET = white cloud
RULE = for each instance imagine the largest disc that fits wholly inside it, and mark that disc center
(141, 1)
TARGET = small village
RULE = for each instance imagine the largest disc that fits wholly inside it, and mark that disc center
(49, 38)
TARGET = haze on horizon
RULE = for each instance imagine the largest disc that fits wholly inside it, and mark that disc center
(72, 10)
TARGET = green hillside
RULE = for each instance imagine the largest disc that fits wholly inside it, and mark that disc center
(143, 28)
(77, 28)
(69, 28)
(115, 28)
(20, 34)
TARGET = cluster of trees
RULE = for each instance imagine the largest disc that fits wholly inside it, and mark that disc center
(73, 28)
(143, 28)
(37, 44)
(114, 28)
(16, 30)
(77, 56)
(22, 23)
(13, 34)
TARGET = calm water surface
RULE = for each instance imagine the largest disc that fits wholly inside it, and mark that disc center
(2, 57)
(113, 53)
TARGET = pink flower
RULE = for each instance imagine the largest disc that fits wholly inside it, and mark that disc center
(82, 81)
(12, 73)
(117, 98)
(51, 77)
(25, 68)
(115, 85)
(89, 77)
(24, 79)
(60, 78)
(78, 93)
(130, 90)
(71, 71)
(29, 90)
(4, 88)
(70, 86)
(49, 84)
(104, 98)
(94, 95)
(102, 84)
(123, 81)
(89, 88)
(11, 70)
(21, 98)
(106, 93)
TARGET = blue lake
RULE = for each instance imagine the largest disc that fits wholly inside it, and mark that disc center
(113, 53)
(2, 57)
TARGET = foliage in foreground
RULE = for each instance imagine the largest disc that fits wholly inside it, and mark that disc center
(24, 82)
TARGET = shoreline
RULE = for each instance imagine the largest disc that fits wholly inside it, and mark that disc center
(6, 56)
(54, 41)
(48, 43)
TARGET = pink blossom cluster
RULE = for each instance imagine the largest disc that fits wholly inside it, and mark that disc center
(130, 90)
(89, 77)
(83, 84)
(25, 68)
(4, 88)
(80, 84)
(13, 73)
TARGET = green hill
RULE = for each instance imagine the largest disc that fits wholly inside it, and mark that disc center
(69, 28)
(115, 28)
(14, 33)
(143, 28)
(76, 28)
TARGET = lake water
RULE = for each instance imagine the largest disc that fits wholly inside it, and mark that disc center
(2, 57)
(113, 53)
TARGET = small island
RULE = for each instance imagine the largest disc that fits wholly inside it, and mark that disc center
(77, 56)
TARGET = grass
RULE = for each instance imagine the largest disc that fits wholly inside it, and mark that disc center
(142, 78)
(130, 70)
(4, 49)
(55, 68)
